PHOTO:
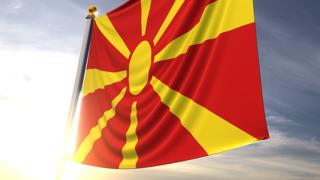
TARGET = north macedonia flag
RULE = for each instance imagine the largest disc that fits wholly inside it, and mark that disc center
(168, 81)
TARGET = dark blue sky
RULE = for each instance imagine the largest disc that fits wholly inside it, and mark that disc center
(289, 41)
(289, 48)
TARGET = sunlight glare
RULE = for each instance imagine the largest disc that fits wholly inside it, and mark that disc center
(33, 111)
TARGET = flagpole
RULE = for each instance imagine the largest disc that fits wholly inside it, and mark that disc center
(92, 10)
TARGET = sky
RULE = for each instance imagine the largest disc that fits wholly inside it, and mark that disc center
(40, 43)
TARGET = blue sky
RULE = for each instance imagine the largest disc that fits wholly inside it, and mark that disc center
(39, 47)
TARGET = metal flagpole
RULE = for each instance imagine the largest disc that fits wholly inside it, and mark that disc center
(76, 90)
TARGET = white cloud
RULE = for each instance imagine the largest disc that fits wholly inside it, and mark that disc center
(13, 7)
(35, 88)
(279, 120)
(280, 157)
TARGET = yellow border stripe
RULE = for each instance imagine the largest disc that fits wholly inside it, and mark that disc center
(218, 17)
(96, 79)
(145, 8)
(109, 31)
(96, 132)
(172, 13)
(130, 156)
(212, 132)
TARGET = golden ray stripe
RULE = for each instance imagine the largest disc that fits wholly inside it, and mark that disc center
(130, 156)
(218, 17)
(145, 8)
(96, 79)
(212, 132)
(109, 31)
(96, 132)
(172, 13)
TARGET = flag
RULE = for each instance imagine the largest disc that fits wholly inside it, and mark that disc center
(168, 81)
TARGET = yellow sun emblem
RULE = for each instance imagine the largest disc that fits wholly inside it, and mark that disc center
(140, 60)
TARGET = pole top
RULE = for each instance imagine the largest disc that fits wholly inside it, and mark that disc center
(92, 12)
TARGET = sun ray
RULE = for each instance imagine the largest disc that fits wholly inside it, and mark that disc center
(212, 132)
(145, 9)
(96, 79)
(109, 31)
(96, 132)
(240, 13)
(130, 156)
(172, 13)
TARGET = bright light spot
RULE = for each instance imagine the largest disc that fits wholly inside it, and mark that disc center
(35, 93)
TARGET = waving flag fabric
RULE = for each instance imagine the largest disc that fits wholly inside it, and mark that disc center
(168, 81)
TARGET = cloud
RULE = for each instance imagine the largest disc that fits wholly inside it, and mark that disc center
(13, 7)
(283, 156)
(279, 120)
(44, 25)
(290, 66)
(40, 41)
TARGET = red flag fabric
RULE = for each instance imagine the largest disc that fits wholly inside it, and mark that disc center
(168, 81)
